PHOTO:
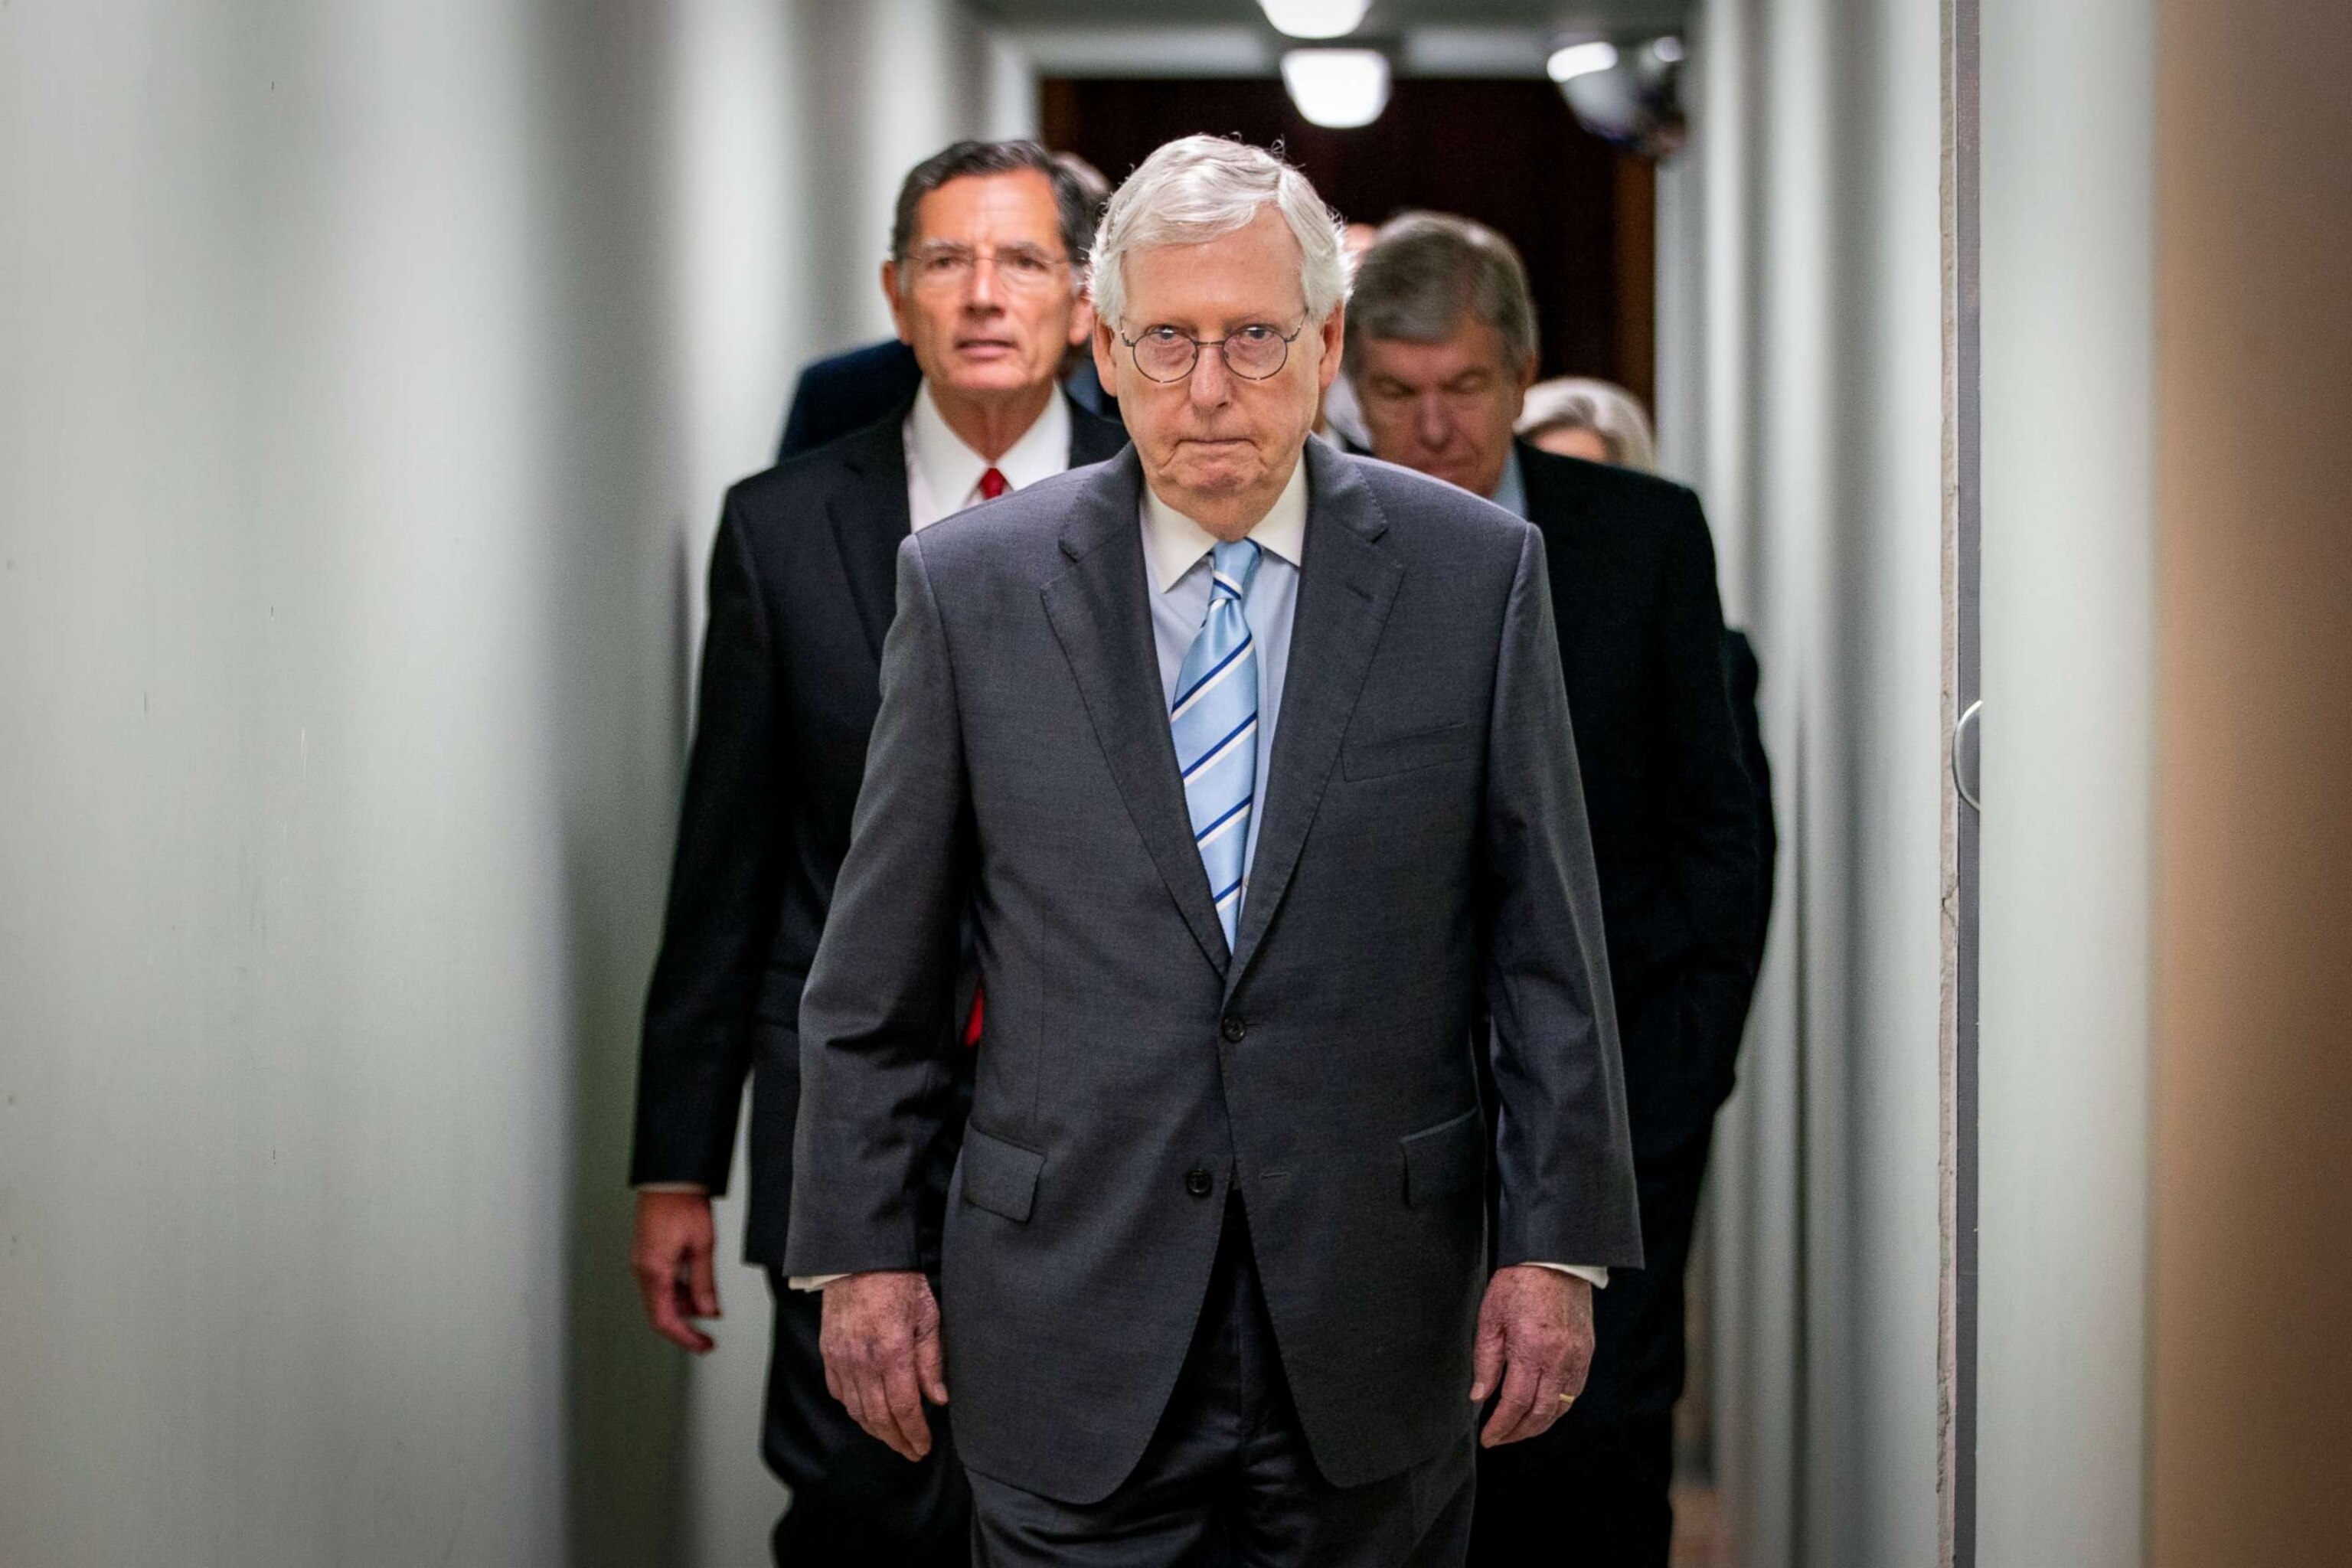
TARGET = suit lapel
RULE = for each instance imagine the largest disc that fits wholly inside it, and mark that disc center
(870, 514)
(1099, 613)
(869, 518)
(1346, 585)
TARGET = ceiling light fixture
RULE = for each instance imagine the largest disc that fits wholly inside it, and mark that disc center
(1581, 59)
(1315, 18)
(1336, 88)
(1668, 49)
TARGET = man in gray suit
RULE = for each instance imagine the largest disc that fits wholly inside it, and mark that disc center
(1249, 765)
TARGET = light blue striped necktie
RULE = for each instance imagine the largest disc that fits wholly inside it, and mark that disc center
(1215, 722)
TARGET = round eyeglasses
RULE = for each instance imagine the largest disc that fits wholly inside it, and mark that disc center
(1253, 352)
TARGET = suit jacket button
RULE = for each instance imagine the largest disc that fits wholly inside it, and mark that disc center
(1199, 1183)
(1233, 1028)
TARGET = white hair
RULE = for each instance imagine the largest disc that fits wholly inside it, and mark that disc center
(1608, 410)
(1200, 188)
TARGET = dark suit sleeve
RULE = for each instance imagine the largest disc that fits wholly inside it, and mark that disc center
(877, 1079)
(1564, 1159)
(1745, 679)
(697, 1045)
(1709, 815)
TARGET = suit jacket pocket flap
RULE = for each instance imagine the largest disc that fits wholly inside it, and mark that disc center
(998, 1176)
(1445, 1158)
(1384, 755)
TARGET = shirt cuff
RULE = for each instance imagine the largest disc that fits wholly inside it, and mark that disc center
(697, 1188)
(1596, 1277)
(812, 1281)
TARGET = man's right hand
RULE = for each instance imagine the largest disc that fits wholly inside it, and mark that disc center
(672, 1260)
(882, 1358)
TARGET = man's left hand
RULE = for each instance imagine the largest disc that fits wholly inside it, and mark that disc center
(1535, 1340)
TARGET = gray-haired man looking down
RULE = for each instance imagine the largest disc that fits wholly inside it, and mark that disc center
(1250, 764)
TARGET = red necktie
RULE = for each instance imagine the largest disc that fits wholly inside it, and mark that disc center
(992, 483)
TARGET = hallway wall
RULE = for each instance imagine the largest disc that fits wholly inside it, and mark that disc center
(1800, 375)
(2253, 1192)
(368, 379)
(2069, 685)
(1799, 288)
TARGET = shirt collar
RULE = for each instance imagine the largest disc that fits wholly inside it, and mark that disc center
(951, 470)
(1511, 490)
(1175, 543)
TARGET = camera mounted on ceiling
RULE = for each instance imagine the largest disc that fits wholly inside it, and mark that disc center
(1627, 94)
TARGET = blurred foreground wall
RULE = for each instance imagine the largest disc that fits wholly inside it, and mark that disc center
(2250, 1375)
(1800, 391)
(368, 378)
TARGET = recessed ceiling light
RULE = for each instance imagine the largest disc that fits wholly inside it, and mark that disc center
(1581, 59)
(1340, 88)
(1669, 50)
(1315, 18)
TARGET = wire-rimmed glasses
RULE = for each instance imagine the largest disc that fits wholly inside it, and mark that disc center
(942, 265)
(1254, 353)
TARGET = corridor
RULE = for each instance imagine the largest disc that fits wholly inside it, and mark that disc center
(371, 379)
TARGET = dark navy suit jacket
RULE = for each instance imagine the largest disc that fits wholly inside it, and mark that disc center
(1675, 824)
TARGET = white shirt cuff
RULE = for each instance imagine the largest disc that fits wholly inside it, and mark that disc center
(812, 1281)
(695, 1187)
(1596, 1277)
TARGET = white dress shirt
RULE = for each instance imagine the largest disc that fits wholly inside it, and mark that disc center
(943, 474)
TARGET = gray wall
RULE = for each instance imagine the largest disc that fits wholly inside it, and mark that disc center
(368, 378)
(1800, 387)
(2069, 676)
(1800, 287)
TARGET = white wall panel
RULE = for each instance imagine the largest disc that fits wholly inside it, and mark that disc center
(2069, 673)
(368, 379)
(1801, 395)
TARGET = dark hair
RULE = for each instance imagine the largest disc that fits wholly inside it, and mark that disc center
(1072, 202)
(1425, 271)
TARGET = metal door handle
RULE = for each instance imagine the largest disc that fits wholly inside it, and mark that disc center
(1959, 733)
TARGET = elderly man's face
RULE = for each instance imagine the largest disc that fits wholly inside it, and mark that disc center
(1216, 445)
(1446, 407)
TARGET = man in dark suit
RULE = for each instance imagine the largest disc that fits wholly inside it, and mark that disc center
(983, 283)
(1442, 345)
(1215, 1253)
(849, 391)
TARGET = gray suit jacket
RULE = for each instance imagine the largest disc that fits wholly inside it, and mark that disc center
(1423, 843)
